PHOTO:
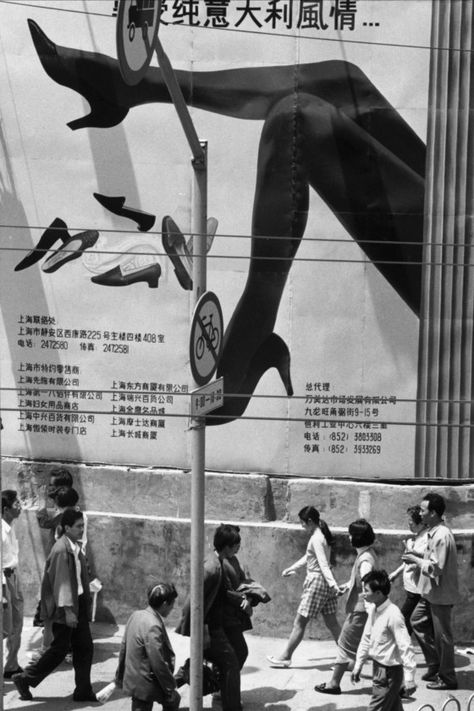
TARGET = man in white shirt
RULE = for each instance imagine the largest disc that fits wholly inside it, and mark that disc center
(65, 602)
(13, 612)
(386, 641)
(439, 590)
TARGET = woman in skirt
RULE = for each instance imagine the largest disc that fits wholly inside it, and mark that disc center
(320, 590)
(362, 537)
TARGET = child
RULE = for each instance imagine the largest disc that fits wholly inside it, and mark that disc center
(386, 641)
(320, 589)
(146, 659)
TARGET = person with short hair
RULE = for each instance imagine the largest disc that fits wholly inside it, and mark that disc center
(410, 571)
(386, 641)
(362, 538)
(438, 587)
(320, 589)
(146, 660)
(64, 497)
(217, 646)
(11, 587)
(65, 601)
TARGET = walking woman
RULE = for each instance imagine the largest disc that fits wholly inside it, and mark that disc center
(362, 537)
(320, 589)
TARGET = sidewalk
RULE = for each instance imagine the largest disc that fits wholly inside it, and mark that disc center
(263, 688)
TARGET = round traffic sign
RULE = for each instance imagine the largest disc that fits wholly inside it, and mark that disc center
(206, 338)
(137, 28)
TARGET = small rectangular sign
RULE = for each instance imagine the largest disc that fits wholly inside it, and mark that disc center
(207, 398)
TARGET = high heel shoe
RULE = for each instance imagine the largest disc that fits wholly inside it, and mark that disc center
(181, 252)
(272, 353)
(116, 205)
(56, 230)
(126, 274)
(72, 68)
(72, 248)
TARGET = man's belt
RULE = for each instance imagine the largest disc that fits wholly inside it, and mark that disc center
(8, 572)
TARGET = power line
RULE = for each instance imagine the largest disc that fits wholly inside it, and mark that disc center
(365, 424)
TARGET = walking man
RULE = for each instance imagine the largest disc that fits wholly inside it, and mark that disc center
(438, 587)
(13, 610)
(65, 601)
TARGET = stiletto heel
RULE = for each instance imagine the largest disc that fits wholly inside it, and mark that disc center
(272, 353)
(56, 230)
(71, 68)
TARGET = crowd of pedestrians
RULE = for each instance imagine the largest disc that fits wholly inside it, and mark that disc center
(374, 628)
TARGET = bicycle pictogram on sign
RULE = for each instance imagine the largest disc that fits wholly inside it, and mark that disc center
(205, 344)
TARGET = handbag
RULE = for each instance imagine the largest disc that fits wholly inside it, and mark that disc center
(210, 681)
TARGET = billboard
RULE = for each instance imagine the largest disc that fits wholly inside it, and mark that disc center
(315, 117)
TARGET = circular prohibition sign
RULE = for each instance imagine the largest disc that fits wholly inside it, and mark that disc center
(206, 338)
(137, 29)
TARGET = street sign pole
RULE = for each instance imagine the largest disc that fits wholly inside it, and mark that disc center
(198, 445)
(197, 425)
(137, 39)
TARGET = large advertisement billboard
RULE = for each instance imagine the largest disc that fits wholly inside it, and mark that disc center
(315, 117)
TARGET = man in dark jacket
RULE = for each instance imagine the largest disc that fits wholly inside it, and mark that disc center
(218, 647)
(65, 601)
(146, 660)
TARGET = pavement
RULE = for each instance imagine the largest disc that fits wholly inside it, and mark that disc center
(263, 688)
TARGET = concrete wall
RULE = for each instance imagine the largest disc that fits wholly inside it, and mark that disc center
(139, 529)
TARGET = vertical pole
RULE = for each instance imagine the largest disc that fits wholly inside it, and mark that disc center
(198, 433)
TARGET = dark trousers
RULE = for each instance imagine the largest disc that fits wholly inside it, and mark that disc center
(222, 655)
(433, 632)
(78, 639)
(386, 685)
(238, 643)
(139, 705)
(411, 601)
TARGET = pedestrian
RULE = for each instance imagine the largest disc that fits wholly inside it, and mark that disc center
(410, 571)
(11, 588)
(438, 586)
(320, 589)
(362, 538)
(386, 641)
(217, 645)
(146, 660)
(65, 601)
(239, 587)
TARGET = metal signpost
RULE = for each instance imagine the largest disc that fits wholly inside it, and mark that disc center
(137, 38)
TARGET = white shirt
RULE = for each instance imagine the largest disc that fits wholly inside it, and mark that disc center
(9, 546)
(411, 571)
(76, 550)
(386, 640)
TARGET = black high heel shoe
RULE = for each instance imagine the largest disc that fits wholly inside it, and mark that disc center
(72, 248)
(116, 205)
(71, 68)
(56, 230)
(272, 353)
(126, 274)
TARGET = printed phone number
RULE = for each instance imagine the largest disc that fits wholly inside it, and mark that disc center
(357, 449)
(106, 347)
